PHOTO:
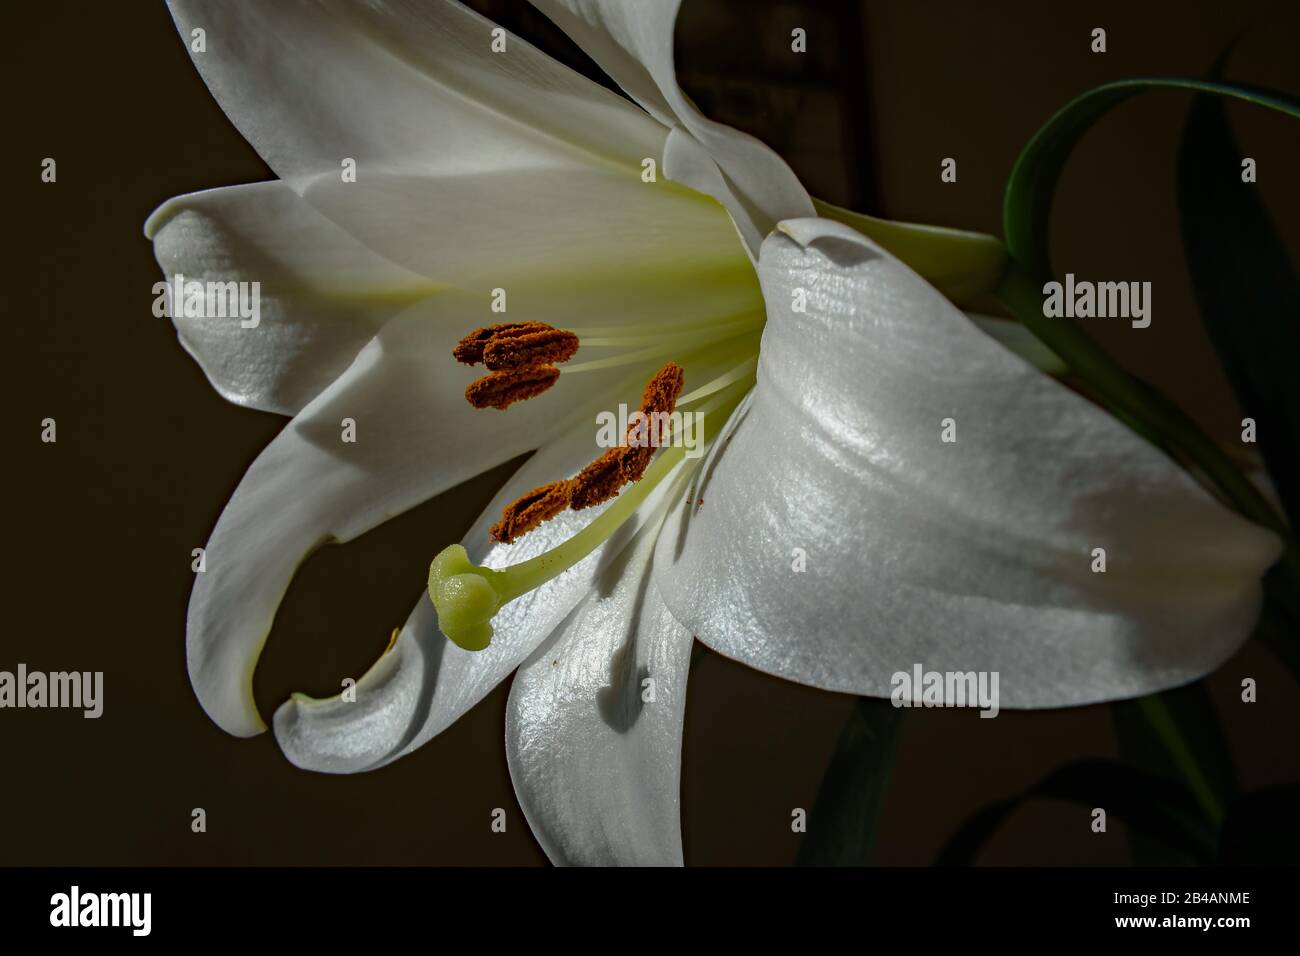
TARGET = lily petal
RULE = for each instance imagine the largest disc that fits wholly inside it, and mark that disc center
(973, 555)
(322, 295)
(451, 153)
(425, 682)
(416, 436)
(633, 43)
(594, 724)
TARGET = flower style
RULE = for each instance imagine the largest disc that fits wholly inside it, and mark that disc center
(825, 368)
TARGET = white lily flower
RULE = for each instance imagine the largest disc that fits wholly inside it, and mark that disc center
(477, 171)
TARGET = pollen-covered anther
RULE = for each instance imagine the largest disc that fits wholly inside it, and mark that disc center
(515, 345)
(599, 481)
(469, 350)
(530, 510)
(541, 346)
(657, 404)
(662, 391)
(606, 476)
(501, 389)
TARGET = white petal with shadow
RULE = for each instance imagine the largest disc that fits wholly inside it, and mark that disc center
(974, 555)
(594, 724)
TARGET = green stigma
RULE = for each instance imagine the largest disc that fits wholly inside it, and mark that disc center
(466, 597)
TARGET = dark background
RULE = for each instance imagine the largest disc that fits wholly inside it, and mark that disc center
(97, 568)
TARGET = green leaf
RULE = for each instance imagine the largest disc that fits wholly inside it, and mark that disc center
(842, 825)
(1027, 205)
(1026, 213)
(1177, 735)
(1027, 208)
(1248, 291)
(1161, 809)
(1246, 286)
